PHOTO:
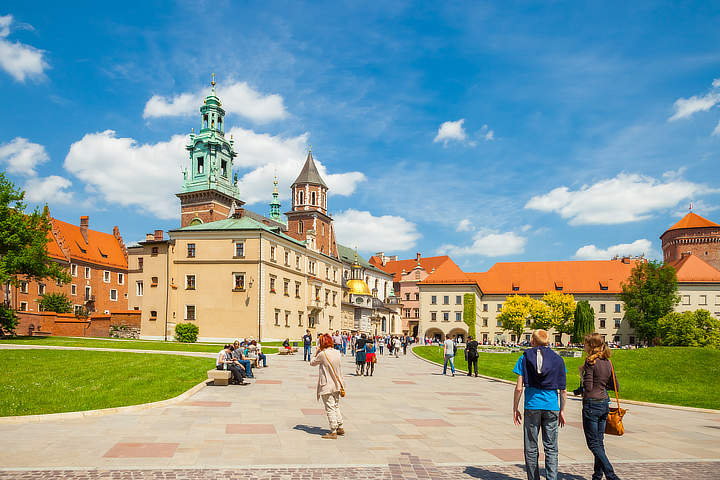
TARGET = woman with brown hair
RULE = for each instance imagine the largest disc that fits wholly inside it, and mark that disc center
(597, 375)
(331, 385)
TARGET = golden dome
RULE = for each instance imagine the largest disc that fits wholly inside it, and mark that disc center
(358, 287)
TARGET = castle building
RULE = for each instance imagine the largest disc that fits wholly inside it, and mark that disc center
(233, 272)
(692, 234)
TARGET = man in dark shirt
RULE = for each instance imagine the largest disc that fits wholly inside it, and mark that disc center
(307, 345)
(471, 355)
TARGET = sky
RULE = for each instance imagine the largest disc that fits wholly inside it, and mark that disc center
(487, 131)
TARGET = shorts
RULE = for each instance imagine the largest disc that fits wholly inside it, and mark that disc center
(370, 358)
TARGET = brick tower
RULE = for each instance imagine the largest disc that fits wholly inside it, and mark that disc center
(693, 234)
(208, 190)
(309, 220)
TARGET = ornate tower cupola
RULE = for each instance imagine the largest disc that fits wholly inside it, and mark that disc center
(309, 220)
(275, 204)
(208, 189)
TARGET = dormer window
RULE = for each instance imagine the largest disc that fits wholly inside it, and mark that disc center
(200, 165)
(558, 285)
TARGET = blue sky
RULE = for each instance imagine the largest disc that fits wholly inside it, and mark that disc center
(489, 131)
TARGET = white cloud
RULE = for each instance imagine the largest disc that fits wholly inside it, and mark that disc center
(451, 131)
(22, 156)
(52, 189)
(464, 226)
(625, 198)
(19, 60)
(373, 234)
(717, 129)
(489, 244)
(687, 107)
(487, 134)
(237, 97)
(638, 247)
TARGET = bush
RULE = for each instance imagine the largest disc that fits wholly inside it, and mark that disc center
(689, 329)
(186, 332)
(55, 302)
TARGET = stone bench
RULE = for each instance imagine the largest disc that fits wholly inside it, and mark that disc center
(286, 351)
(219, 377)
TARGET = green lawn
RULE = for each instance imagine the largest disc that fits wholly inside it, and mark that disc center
(52, 381)
(123, 344)
(671, 375)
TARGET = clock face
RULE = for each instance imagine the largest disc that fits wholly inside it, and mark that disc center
(359, 301)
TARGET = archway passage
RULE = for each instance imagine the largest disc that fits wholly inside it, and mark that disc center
(435, 334)
(460, 333)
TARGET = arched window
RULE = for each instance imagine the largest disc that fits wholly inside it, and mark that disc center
(312, 198)
(300, 227)
(301, 197)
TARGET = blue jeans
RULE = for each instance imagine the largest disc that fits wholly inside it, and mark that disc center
(262, 357)
(547, 420)
(594, 416)
(381, 349)
(448, 358)
(306, 352)
(248, 367)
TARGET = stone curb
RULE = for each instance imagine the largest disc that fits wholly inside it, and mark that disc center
(103, 411)
(21, 346)
(629, 402)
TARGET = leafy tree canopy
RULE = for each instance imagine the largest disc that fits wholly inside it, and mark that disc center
(562, 308)
(689, 329)
(56, 302)
(555, 310)
(584, 321)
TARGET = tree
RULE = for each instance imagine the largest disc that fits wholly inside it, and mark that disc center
(689, 329)
(469, 313)
(584, 321)
(561, 309)
(649, 294)
(518, 310)
(56, 302)
(23, 242)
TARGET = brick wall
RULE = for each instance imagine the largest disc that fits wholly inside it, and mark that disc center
(702, 242)
(68, 325)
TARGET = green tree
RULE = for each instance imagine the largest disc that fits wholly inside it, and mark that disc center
(55, 302)
(649, 294)
(689, 329)
(23, 242)
(561, 309)
(584, 321)
(469, 313)
(518, 310)
(186, 332)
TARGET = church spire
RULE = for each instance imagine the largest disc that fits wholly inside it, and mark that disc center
(275, 204)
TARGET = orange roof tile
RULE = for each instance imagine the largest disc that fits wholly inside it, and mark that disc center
(428, 263)
(692, 220)
(53, 249)
(691, 268)
(100, 248)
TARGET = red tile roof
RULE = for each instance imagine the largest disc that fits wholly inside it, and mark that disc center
(692, 220)
(428, 263)
(67, 243)
(691, 268)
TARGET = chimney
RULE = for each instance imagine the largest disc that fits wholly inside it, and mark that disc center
(417, 256)
(158, 235)
(149, 237)
(84, 223)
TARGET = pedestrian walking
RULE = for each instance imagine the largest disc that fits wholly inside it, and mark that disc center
(381, 344)
(307, 346)
(370, 357)
(405, 341)
(541, 372)
(471, 355)
(449, 349)
(360, 355)
(331, 385)
(597, 376)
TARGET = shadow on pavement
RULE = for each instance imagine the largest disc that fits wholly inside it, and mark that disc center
(311, 430)
(477, 472)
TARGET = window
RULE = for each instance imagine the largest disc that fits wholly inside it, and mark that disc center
(41, 289)
(300, 227)
(87, 272)
(73, 289)
(499, 307)
(287, 318)
(201, 160)
(287, 258)
(485, 307)
(516, 288)
(223, 164)
(499, 323)
(311, 266)
(23, 306)
(189, 312)
(88, 293)
(191, 250)
(113, 295)
(73, 270)
(602, 308)
(121, 279)
(23, 287)
(272, 252)
(286, 287)
(433, 316)
(407, 313)
(153, 314)
(140, 263)
(312, 198)
(327, 297)
(317, 294)
(617, 322)
(602, 323)
(433, 300)
(154, 281)
(154, 251)
(277, 318)
(458, 317)
(407, 296)
(139, 288)
(334, 297)
(334, 274)
(485, 322)
(686, 299)
(300, 314)
(458, 300)
(632, 340)
(239, 281)
(446, 300)
(717, 299)
(617, 308)
(272, 284)
(189, 282)
(703, 300)
(301, 197)
(416, 312)
(297, 289)
(106, 276)
(446, 316)
(327, 273)
(330, 319)
(239, 249)
(417, 296)
(297, 262)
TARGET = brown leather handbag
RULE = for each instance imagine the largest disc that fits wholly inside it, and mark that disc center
(614, 424)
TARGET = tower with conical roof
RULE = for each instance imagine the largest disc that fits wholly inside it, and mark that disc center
(309, 220)
(275, 204)
(694, 235)
(209, 189)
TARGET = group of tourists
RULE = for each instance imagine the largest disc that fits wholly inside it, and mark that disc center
(239, 357)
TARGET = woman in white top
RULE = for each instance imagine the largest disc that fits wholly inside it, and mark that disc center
(224, 361)
(331, 385)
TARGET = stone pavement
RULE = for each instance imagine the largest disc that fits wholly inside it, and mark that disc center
(454, 427)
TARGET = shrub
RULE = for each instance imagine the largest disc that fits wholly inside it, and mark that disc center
(689, 329)
(186, 332)
(55, 302)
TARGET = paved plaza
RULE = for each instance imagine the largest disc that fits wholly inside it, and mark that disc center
(406, 422)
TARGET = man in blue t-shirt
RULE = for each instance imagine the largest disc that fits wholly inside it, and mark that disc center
(541, 372)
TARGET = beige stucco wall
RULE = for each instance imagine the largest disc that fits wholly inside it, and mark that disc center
(452, 326)
(694, 296)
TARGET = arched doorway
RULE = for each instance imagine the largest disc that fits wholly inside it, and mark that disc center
(435, 334)
(384, 325)
(461, 334)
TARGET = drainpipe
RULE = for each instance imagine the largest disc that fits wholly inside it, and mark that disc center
(167, 286)
(260, 262)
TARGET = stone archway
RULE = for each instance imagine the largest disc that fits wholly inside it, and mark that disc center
(461, 334)
(435, 333)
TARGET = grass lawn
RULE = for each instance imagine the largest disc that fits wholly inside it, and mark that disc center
(52, 381)
(671, 375)
(123, 344)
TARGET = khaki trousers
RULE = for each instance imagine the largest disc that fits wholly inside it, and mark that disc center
(331, 402)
